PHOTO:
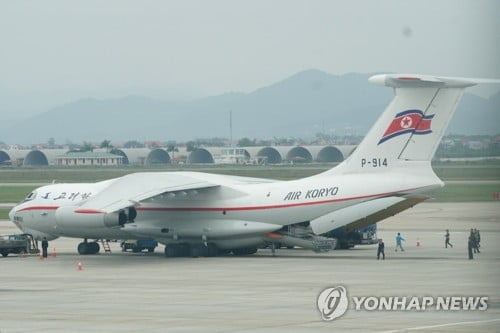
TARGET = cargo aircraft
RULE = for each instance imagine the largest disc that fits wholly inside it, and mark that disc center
(202, 214)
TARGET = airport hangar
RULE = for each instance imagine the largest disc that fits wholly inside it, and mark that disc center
(200, 155)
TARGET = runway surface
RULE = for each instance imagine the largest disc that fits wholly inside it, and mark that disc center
(127, 292)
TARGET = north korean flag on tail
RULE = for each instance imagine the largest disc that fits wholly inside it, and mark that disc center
(409, 121)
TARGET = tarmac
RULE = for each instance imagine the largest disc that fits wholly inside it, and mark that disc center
(129, 292)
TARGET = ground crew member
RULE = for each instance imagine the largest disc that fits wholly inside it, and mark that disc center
(447, 239)
(45, 246)
(473, 238)
(399, 238)
(380, 249)
(478, 239)
(471, 246)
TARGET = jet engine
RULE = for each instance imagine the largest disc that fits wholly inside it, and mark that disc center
(76, 217)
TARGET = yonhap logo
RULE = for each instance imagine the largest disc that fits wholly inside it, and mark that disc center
(333, 303)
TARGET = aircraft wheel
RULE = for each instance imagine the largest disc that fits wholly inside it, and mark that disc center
(83, 248)
(184, 250)
(244, 251)
(224, 251)
(251, 250)
(239, 252)
(177, 250)
(94, 247)
(198, 250)
(212, 250)
(170, 251)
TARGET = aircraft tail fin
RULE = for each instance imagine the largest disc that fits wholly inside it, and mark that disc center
(412, 125)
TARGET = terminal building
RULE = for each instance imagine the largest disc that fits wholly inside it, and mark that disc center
(88, 158)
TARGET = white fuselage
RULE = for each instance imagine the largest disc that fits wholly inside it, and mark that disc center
(241, 208)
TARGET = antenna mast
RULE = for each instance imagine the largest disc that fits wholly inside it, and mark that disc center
(231, 128)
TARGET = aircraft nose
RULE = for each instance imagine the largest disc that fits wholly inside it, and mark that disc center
(11, 214)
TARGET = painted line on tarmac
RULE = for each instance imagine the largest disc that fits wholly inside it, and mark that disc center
(8, 204)
(24, 184)
(419, 328)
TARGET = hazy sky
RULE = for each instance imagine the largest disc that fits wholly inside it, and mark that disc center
(55, 51)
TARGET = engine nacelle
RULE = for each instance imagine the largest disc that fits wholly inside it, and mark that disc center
(69, 217)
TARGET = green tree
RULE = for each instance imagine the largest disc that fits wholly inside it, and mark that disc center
(87, 146)
(246, 142)
(133, 144)
(171, 147)
(190, 145)
(154, 145)
(51, 142)
(106, 144)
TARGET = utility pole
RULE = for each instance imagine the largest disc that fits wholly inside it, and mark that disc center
(231, 128)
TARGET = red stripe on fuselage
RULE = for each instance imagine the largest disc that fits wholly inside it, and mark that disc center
(408, 78)
(89, 211)
(38, 208)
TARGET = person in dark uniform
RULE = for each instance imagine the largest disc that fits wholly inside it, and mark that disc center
(478, 239)
(473, 237)
(380, 250)
(447, 239)
(45, 246)
(471, 246)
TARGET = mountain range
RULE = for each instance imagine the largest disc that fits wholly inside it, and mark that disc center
(302, 105)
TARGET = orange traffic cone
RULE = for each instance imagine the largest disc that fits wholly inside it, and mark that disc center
(418, 242)
(54, 253)
(79, 266)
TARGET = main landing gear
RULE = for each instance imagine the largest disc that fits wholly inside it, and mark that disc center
(202, 250)
(88, 247)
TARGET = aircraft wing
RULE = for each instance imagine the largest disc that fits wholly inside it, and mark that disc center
(131, 189)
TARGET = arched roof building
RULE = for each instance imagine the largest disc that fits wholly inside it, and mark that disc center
(200, 155)
(135, 156)
(302, 154)
(157, 156)
(326, 154)
(299, 154)
(42, 157)
(4, 157)
(272, 155)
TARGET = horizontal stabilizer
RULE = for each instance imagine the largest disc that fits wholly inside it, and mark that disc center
(417, 80)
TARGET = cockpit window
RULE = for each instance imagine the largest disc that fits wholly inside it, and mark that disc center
(30, 196)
